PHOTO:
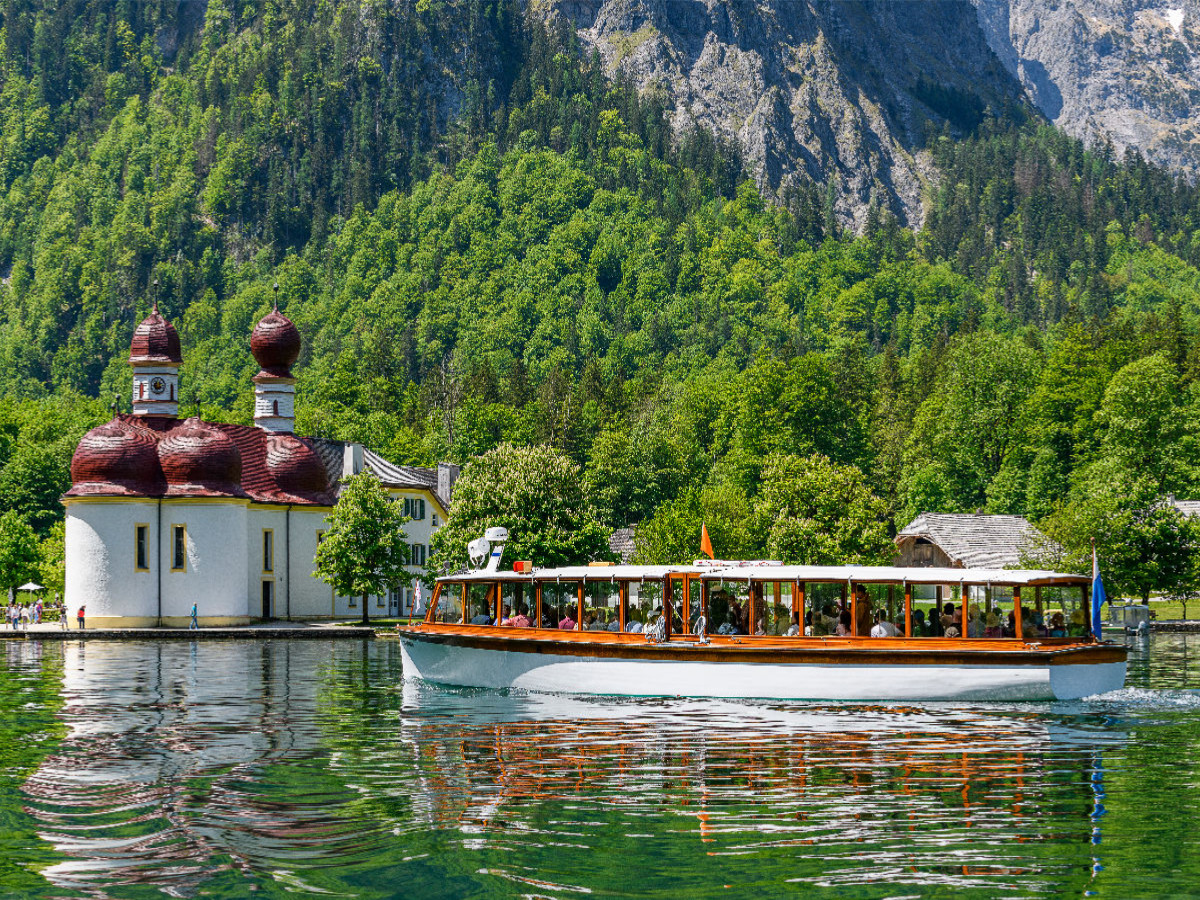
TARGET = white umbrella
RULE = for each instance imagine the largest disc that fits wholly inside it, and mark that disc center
(30, 586)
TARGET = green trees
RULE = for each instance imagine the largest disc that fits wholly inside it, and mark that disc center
(812, 511)
(364, 552)
(19, 557)
(534, 492)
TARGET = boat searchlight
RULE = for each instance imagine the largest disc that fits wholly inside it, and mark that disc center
(481, 549)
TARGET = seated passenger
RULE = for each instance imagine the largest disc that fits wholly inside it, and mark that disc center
(1029, 629)
(844, 627)
(920, 629)
(794, 628)
(615, 624)
(760, 629)
(951, 632)
(948, 618)
(481, 619)
(862, 610)
(505, 615)
(883, 628)
(993, 629)
(596, 622)
(634, 625)
(521, 620)
(566, 623)
(808, 624)
(1058, 627)
(974, 622)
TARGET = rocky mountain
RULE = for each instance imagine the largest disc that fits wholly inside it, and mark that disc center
(1122, 70)
(838, 92)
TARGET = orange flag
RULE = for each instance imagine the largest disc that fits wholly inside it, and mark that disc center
(705, 543)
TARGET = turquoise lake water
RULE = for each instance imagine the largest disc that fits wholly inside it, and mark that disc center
(306, 768)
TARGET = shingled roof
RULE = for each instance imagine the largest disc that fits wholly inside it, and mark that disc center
(976, 541)
(332, 453)
(1187, 507)
(621, 543)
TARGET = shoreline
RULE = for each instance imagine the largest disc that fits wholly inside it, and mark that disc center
(242, 632)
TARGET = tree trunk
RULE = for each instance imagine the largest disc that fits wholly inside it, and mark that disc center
(365, 620)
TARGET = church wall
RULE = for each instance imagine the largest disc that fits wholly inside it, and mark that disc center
(101, 571)
(215, 574)
(311, 597)
(260, 519)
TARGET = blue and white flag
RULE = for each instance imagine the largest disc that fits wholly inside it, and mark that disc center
(1097, 595)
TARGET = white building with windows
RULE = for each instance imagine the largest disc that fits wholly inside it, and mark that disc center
(163, 513)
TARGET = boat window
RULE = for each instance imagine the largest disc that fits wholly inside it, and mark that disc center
(728, 611)
(644, 604)
(516, 599)
(886, 611)
(824, 601)
(450, 604)
(601, 605)
(1062, 612)
(481, 596)
(925, 610)
(772, 608)
(560, 605)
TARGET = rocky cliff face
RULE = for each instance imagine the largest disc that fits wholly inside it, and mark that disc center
(1125, 70)
(831, 91)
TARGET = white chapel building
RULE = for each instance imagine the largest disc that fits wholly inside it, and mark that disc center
(163, 513)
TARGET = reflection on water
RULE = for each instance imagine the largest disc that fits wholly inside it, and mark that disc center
(210, 769)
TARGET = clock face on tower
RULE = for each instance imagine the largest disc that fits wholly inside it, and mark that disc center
(157, 385)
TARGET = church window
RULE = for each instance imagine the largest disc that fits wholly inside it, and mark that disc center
(141, 547)
(268, 548)
(178, 548)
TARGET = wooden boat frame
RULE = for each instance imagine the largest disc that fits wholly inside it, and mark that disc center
(681, 586)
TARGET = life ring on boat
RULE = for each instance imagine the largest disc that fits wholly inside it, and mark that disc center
(657, 633)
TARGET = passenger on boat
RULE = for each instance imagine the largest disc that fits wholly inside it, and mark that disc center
(862, 611)
(520, 620)
(1058, 627)
(566, 623)
(974, 622)
(948, 618)
(794, 628)
(615, 624)
(993, 629)
(919, 628)
(952, 632)
(482, 619)
(633, 626)
(505, 614)
(760, 628)
(844, 625)
(883, 628)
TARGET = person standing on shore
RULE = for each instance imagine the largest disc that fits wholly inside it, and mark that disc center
(80, 616)
(193, 626)
(62, 616)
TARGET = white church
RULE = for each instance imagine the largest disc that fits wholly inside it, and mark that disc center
(163, 512)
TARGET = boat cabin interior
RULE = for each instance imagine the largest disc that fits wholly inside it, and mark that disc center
(772, 601)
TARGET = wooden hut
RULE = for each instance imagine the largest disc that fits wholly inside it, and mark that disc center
(962, 540)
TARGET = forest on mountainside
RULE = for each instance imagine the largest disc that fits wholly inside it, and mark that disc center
(485, 240)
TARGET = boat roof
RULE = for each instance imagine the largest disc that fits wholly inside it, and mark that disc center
(776, 572)
(897, 575)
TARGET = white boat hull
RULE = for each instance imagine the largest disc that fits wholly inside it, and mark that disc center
(841, 680)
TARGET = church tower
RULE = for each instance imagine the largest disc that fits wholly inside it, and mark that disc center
(275, 344)
(155, 356)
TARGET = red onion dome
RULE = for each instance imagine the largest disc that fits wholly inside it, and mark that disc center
(155, 341)
(199, 460)
(275, 343)
(296, 469)
(116, 459)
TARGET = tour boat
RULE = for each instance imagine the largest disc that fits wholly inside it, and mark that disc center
(765, 630)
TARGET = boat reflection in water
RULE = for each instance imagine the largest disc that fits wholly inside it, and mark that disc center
(201, 769)
(821, 794)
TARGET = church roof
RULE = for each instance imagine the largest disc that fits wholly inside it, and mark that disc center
(272, 471)
(155, 340)
(391, 475)
(976, 541)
